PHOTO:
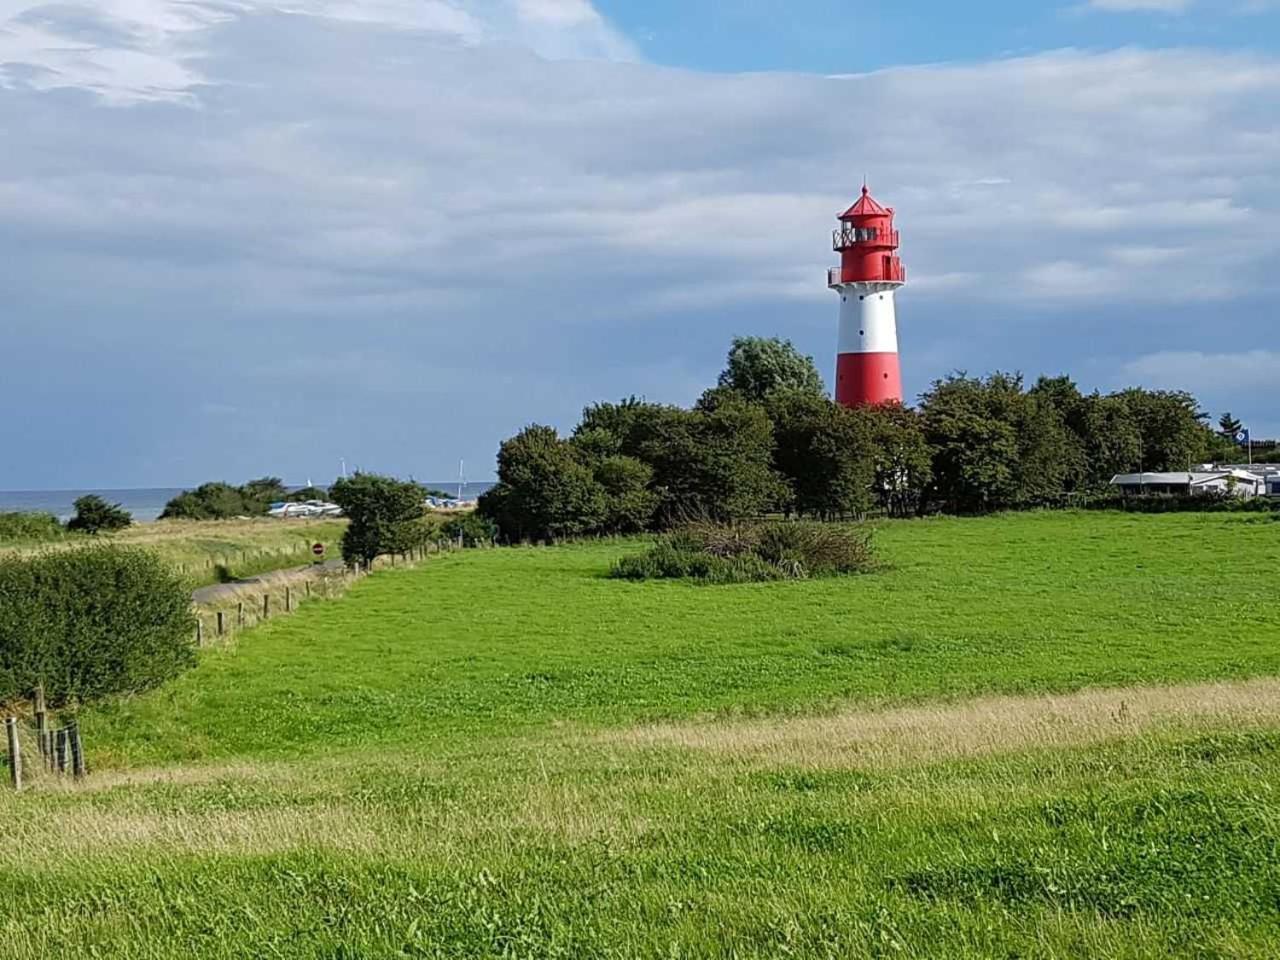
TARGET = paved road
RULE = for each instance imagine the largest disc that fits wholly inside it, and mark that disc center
(216, 591)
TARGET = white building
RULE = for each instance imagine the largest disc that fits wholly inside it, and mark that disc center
(1241, 483)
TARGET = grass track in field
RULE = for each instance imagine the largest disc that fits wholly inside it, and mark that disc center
(503, 753)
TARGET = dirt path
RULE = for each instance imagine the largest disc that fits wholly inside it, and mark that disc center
(215, 592)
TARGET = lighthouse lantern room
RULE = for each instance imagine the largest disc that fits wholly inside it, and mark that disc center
(869, 275)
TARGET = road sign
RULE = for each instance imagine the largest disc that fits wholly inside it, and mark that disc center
(318, 549)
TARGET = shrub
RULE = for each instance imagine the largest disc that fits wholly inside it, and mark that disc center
(93, 514)
(305, 494)
(30, 526)
(222, 501)
(752, 553)
(474, 529)
(1208, 502)
(90, 623)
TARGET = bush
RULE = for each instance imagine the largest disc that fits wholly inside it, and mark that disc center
(222, 501)
(93, 514)
(1209, 502)
(90, 623)
(30, 526)
(753, 553)
(474, 529)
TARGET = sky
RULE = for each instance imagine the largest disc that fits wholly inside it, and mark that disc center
(247, 237)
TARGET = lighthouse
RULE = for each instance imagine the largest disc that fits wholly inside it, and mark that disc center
(868, 278)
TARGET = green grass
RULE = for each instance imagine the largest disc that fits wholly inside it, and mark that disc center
(453, 761)
(205, 551)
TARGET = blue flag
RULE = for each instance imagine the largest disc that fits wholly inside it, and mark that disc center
(1242, 437)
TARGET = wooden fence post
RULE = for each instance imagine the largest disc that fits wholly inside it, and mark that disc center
(15, 758)
(77, 750)
(222, 623)
(288, 600)
(42, 717)
(240, 614)
(308, 589)
(266, 606)
(47, 749)
(199, 632)
(60, 751)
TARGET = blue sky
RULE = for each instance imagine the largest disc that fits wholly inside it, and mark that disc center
(241, 237)
(845, 36)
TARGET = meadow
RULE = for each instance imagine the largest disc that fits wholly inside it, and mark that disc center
(206, 551)
(1034, 735)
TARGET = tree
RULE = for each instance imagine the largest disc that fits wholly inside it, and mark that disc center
(903, 459)
(1111, 438)
(307, 493)
(1172, 427)
(94, 514)
(974, 442)
(758, 366)
(384, 515)
(824, 452)
(258, 495)
(209, 501)
(728, 473)
(544, 490)
(1229, 426)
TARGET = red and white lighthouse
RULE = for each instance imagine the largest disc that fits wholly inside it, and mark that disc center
(869, 275)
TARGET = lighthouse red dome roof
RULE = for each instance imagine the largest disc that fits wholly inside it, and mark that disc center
(865, 207)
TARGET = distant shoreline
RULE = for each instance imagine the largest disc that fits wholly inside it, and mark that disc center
(145, 503)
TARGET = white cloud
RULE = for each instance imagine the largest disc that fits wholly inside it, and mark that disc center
(145, 50)
(1243, 371)
(437, 201)
(563, 13)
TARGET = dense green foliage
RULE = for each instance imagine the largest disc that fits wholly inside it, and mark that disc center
(752, 553)
(385, 516)
(767, 440)
(92, 622)
(759, 366)
(506, 753)
(222, 501)
(94, 514)
(303, 494)
(19, 527)
(473, 529)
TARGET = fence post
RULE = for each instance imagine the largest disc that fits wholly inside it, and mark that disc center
(308, 589)
(15, 759)
(60, 751)
(240, 614)
(288, 600)
(222, 624)
(199, 632)
(46, 747)
(77, 750)
(42, 717)
(266, 606)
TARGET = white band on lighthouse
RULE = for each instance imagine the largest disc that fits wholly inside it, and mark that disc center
(868, 318)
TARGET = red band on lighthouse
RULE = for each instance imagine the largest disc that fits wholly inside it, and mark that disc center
(868, 278)
(868, 378)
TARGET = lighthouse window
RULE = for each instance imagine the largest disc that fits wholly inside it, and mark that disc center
(864, 234)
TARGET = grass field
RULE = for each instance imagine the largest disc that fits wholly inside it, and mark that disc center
(198, 548)
(1043, 735)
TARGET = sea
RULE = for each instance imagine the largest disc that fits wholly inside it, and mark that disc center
(147, 503)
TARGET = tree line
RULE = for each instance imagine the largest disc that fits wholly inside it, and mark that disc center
(767, 439)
